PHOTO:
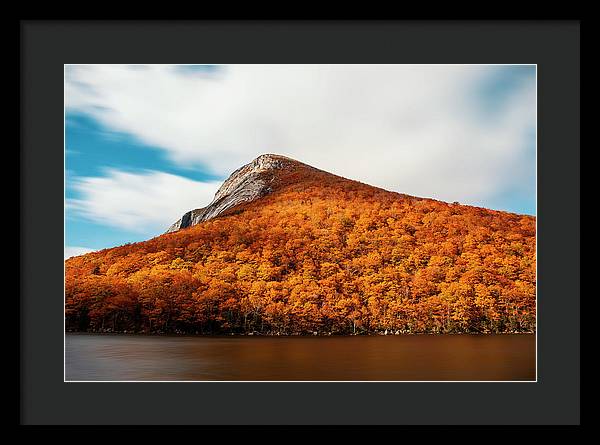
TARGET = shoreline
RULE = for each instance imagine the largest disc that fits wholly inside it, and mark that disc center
(406, 334)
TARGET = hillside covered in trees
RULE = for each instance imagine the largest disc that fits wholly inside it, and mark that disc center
(317, 253)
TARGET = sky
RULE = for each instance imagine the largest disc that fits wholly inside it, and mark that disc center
(146, 143)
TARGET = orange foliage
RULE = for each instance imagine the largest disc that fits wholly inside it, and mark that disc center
(323, 254)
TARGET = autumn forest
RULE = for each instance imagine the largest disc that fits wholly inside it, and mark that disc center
(320, 254)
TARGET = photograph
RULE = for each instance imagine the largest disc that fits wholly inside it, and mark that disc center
(300, 223)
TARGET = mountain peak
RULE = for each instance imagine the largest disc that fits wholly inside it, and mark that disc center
(265, 162)
(271, 158)
(249, 182)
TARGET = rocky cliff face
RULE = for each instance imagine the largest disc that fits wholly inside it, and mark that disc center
(250, 182)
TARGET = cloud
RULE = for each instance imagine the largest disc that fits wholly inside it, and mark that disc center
(71, 251)
(425, 130)
(149, 201)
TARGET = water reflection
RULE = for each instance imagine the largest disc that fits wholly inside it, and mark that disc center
(414, 357)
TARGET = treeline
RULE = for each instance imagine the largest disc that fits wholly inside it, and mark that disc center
(322, 255)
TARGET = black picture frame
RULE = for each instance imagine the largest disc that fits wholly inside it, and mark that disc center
(45, 46)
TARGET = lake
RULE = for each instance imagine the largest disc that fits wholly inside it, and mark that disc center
(402, 357)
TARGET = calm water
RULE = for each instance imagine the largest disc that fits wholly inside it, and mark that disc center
(410, 357)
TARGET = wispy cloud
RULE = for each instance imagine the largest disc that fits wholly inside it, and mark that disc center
(71, 251)
(141, 202)
(449, 132)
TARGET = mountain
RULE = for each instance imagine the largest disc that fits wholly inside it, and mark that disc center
(286, 248)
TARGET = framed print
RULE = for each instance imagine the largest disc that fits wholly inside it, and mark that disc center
(322, 213)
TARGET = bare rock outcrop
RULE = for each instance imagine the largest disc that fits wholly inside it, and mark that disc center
(250, 182)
